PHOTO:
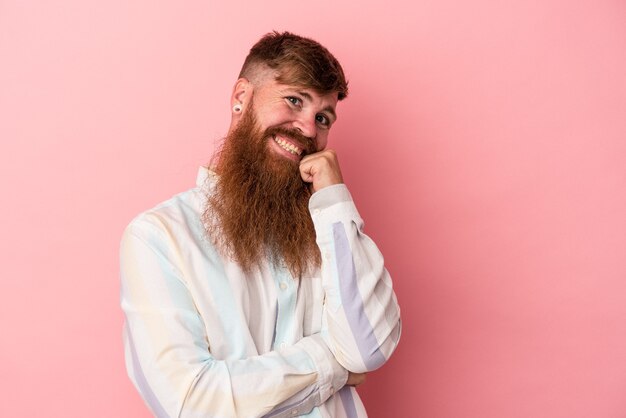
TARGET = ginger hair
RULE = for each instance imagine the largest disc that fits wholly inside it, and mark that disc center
(297, 61)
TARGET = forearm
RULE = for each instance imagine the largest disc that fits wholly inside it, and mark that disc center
(361, 320)
(173, 383)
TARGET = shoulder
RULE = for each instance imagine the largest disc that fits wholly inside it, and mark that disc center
(172, 219)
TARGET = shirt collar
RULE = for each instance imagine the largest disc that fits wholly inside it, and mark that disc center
(204, 176)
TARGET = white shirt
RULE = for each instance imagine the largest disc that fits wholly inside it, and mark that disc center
(203, 339)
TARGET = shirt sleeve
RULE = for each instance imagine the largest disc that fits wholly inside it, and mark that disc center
(168, 355)
(361, 317)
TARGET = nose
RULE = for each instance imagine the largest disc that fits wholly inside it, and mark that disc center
(306, 125)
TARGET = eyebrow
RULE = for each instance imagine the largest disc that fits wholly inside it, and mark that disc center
(328, 108)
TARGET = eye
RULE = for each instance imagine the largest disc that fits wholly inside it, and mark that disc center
(322, 119)
(294, 100)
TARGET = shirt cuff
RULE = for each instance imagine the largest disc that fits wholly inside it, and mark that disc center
(328, 196)
(331, 375)
(332, 204)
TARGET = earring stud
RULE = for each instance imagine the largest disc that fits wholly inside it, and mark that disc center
(237, 108)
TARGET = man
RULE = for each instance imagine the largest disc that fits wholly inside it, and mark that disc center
(257, 293)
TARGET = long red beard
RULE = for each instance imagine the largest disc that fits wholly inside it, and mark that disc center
(259, 207)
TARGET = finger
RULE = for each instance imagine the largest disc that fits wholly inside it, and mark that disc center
(306, 172)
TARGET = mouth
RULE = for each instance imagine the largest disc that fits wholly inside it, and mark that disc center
(288, 146)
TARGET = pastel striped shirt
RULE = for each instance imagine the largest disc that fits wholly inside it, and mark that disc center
(203, 339)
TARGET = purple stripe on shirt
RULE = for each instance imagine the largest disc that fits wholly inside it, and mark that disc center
(348, 402)
(353, 302)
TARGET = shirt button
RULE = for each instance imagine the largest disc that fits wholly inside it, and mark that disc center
(283, 345)
(316, 212)
(283, 285)
(294, 412)
(327, 255)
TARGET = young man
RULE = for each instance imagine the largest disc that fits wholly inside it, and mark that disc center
(256, 293)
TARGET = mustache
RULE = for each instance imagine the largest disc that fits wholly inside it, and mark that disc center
(307, 144)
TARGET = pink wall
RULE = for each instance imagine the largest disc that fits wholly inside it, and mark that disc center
(484, 142)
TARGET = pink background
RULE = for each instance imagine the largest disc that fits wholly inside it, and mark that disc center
(484, 143)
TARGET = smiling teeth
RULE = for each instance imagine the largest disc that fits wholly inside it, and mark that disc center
(288, 146)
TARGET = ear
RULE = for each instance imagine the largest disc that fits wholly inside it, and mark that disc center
(242, 92)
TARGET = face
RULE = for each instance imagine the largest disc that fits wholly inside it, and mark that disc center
(290, 108)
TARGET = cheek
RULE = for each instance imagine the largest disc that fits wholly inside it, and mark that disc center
(322, 141)
(273, 117)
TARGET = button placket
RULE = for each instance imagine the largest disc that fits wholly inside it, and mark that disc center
(285, 298)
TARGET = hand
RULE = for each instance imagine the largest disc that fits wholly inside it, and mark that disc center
(355, 379)
(321, 169)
